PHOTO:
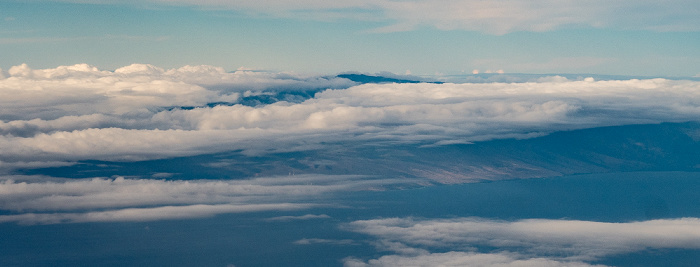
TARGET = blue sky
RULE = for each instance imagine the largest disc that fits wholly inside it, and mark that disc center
(420, 37)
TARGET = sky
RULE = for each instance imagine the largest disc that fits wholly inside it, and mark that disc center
(643, 38)
(510, 133)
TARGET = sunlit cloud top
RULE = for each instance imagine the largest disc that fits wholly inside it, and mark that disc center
(139, 112)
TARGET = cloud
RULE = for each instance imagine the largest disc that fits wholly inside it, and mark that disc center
(240, 81)
(493, 17)
(311, 241)
(39, 194)
(505, 16)
(561, 64)
(455, 258)
(82, 89)
(303, 217)
(46, 200)
(74, 113)
(7, 167)
(146, 214)
(538, 240)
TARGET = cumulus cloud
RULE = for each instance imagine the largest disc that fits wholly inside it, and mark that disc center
(83, 89)
(564, 241)
(74, 113)
(38, 199)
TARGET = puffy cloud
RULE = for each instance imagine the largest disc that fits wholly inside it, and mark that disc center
(44, 200)
(78, 113)
(563, 241)
(78, 70)
(83, 89)
(140, 69)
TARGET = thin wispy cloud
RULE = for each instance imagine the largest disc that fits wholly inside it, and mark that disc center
(34, 40)
(313, 241)
(302, 217)
(147, 214)
(501, 17)
(493, 17)
(522, 243)
(46, 200)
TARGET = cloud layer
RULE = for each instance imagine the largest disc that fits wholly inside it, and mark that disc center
(534, 242)
(46, 200)
(494, 17)
(71, 113)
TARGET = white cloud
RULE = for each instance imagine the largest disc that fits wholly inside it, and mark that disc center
(494, 17)
(455, 258)
(74, 113)
(83, 89)
(6, 167)
(37, 194)
(563, 241)
(146, 214)
(45, 200)
(303, 217)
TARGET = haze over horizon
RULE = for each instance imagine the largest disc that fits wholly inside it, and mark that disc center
(422, 37)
